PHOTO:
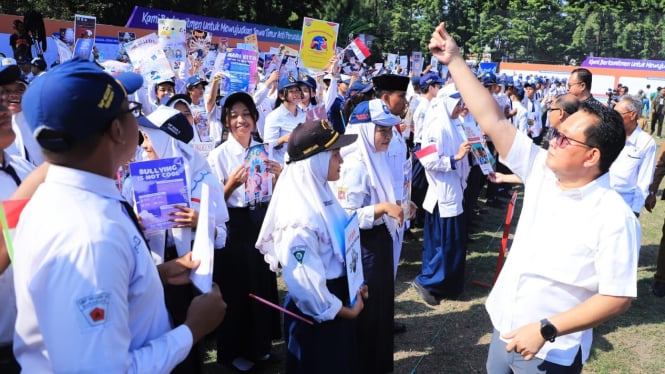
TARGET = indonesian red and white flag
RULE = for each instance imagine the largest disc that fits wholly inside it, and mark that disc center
(359, 49)
(10, 211)
(427, 154)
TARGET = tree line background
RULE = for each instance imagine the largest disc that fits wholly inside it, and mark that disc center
(538, 31)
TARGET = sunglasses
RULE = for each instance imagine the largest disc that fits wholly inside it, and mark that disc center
(563, 141)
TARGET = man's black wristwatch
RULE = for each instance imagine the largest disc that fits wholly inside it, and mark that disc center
(547, 330)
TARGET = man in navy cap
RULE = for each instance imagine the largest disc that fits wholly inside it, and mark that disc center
(89, 296)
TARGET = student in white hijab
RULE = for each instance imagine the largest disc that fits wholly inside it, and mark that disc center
(158, 140)
(446, 169)
(304, 232)
(366, 187)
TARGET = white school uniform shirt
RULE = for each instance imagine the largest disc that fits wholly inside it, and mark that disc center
(533, 111)
(632, 172)
(569, 246)
(8, 310)
(264, 104)
(223, 161)
(88, 294)
(446, 185)
(519, 119)
(279, 123)
(304, 233)
(419, 120)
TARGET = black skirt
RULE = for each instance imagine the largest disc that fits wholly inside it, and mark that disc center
(326, 347)
(249, 326)
(375, 323)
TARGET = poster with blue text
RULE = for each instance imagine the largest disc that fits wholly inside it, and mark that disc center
(159, 187)
(239, 69)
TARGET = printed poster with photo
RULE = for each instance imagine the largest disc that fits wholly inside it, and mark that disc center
(172, 36)
(149, 58)
(258, 187)
(271, 61)
(124, 37)
(353, 257)
(84, 34)
(416, 63)
(198, 45)
(208, 65)
(479, 149)
(67, 36)
(239, 71)
(406, 187)
(158, 186)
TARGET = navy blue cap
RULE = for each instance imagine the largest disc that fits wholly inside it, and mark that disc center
(309, 82)
(375, 111)
(285, 82)
(430, 79)
(194, 80)
(362, 85)
(488, 79)
(73, 101)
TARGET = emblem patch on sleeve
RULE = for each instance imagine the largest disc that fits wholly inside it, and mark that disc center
(94, 308)
(298, 252)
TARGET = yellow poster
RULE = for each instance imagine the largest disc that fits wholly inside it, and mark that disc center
(317, 46)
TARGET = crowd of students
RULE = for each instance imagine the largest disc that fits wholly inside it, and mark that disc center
(94, 280)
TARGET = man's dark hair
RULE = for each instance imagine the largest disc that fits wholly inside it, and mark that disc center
(568, 103)
(584, 75)
(607, 134)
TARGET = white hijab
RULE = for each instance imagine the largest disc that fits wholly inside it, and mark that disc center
(380, 176)
(303, 198)
(165, 146)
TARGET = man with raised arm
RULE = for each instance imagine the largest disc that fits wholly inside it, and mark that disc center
(573, 262)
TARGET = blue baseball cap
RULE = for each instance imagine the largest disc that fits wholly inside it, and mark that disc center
(285, 82)
(194, 80)
(362, 85)
(488, 79)
(430, 79)
(375, 111)
(309, 82)
(73, 101)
